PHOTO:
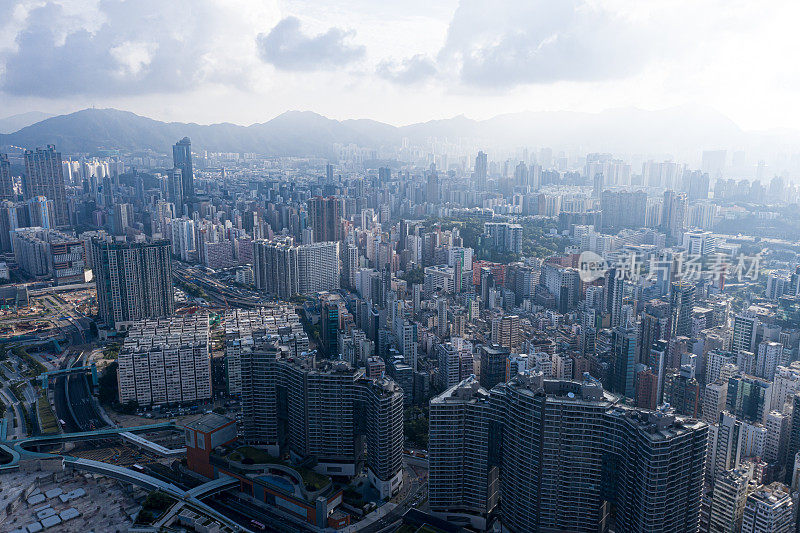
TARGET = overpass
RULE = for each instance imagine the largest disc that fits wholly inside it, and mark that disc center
(151, 446)
(149, 482)
(87, 435)
(44, 377)
(214, 486)
(191, 498)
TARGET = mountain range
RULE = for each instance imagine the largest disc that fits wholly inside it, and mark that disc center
(676, 131)
(15, 122)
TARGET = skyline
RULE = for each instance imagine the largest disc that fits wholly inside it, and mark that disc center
(247, 61)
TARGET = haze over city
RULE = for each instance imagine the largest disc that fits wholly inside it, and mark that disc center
(246, 61)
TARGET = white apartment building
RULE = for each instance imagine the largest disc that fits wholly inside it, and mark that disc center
(166, 361)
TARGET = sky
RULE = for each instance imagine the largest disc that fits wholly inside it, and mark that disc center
(246, 61)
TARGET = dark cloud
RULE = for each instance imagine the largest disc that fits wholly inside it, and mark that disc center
(143, 46)
(540, 41)
(412, 70)
(288, 48)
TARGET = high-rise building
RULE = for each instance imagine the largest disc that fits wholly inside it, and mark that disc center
(6, 184)
(623, 209)
(563, 283)
(173, 190)
(329, 326)
(728, 501)
(166, 361)
(647, 464)
(326, 218)
(278, 321)
(182, 159)
(767, 359)
(133, 280)
(682, 392)
(493, 360)
(40, 212)
(449, 369)
(749, 397)
(769, 509)
(726, 446)
(682, 297)
(463, 482)
(504, 236)
(284, 269)
(481, 171)
(275, 267)
(326, 412)
(745, 325)
(715, 398)
(785, 385)
(655, 321)
(123, 218)
(44, 176)
(794, 437)
(318, 267)
(647, 390)
(624, 349)
(505, 331)
(673, 215)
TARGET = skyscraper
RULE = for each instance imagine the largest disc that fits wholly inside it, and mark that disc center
(463, 482)
(768, 510)
(624, 348)
(493, 364)
(681, 306)
(505, 331)
(745, 326)
(284, 269)
(44, 176)
(40, 212)
(326, 411)
(481, 171)
(6, 185)
(655, 320)
(570, 455)
(173, 189)
(133, 280)
(326, 218)
(182, 159)
(728, 501)
(275, 267)
(673, 214)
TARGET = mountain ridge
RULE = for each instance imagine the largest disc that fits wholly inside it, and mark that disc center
(306, 133)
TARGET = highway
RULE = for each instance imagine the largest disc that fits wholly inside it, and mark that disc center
(73, 400)
(217, 292)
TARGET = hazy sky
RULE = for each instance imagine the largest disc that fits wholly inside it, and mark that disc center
(246, 61)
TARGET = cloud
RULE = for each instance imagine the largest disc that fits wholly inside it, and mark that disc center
(129, 47)
(287, 48)
(408, 71)
(540, 41)
(520, 42)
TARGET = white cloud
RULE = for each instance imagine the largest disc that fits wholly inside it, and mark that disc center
(408, 71)
(287, 48)
(115, 47)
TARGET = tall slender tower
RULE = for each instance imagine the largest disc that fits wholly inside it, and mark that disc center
(44, 176)
(481, 170)
(6, 186)
(182, 159)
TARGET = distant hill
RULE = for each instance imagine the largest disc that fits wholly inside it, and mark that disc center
(304, 133)
(15, 122)
(294, 133)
